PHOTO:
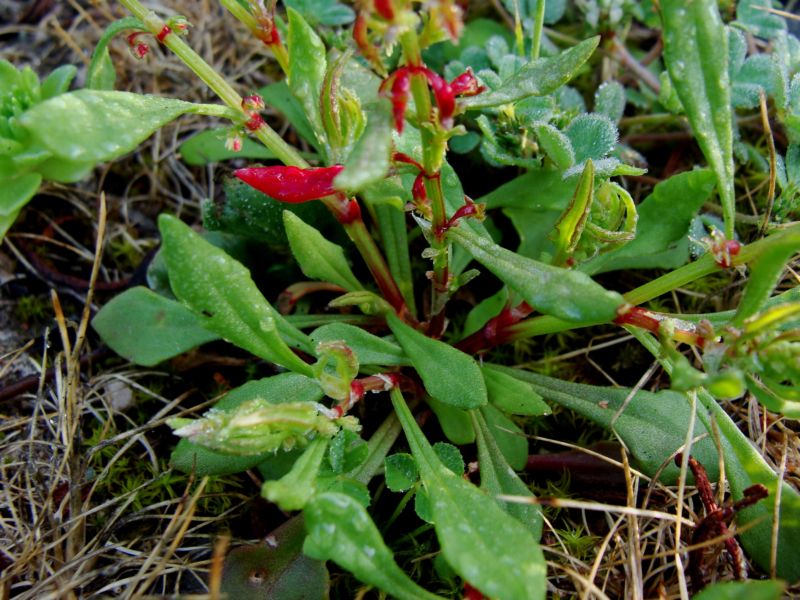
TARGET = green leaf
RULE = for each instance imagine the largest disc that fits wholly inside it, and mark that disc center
(509, 437)
(147, 328)
(189, 457)
(696, 56)
(482, 543)
(99, 125)
(743, 590)
(662, 229)
(448, 374)
(537, 78)
(555, 144)
(765, 273)
(511, 395)
(318, 258)
(307, 67)
(486, 309)
(101, 74)
(323, 12)
(450, 457)
(593, 136)
(751, 15)
(400, 471)
(570, 224)
(455, 422)
(341, 530)
(209, 147)
(652, 426)
(220, 291)
(285, 572)
(394, 235)
(563, 293)
(278, 95)
(58, 81)
(369, 161)
(347, 452)
(498, 478)
(14, 194)
(295, 489)
(609, 100)
(369, 348)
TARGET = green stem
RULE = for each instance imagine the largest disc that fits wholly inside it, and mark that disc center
(248, 20)
(657, 287)
(433, 152)
(538, 26)
(265, 134)
(284, 152)
(377, 266)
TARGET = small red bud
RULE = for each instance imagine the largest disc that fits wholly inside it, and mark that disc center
(400, 91)
(291, 184)
(385, 9)
(466, 84)
(162, 35)
(254, 102)
(139, 49)
(254, 122)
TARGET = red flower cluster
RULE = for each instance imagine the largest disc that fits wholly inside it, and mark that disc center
(444, 93)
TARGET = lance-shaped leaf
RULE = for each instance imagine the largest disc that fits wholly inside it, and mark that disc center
(696, 56)
(483, 543)
(652, 425)
(369, 160)
(220, 291)
(14, 194)
(341, 530)
(563, 293)
(317, 257)
(307, 67)
(295, 489)
(765, 272)
(498, 478)
(569, 227)
(147, 328)
(537, 78)
(448, 374)
(97, 125)
(511, 395)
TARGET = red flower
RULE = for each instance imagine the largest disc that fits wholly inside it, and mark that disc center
(291, 184)
(444, 93)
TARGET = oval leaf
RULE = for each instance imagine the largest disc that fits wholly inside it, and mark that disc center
(99, 125)
(448, 374)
